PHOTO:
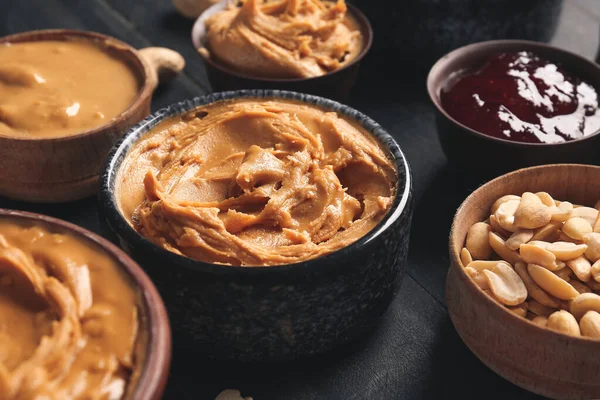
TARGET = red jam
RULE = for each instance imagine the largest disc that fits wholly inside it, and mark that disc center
(523, 98)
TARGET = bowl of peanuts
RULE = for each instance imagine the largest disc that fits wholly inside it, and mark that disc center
(523, 288)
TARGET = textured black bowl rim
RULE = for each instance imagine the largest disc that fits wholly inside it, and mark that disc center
(117, 221)
(157, 358)
(358, 15)
(468, 50)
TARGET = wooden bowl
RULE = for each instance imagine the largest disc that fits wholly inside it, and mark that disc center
(537, 359)
(335, 85)
(67, 168)
(157, 353)
(489, 156)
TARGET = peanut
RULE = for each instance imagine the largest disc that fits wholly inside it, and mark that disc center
(479, 279)
(518, 238)
(581, 267)
(588, 213)
(551, 283)
(480, 265)
(596, 225)
(506, 285)
(505, 214)
(546, 199)
(565, 251)
(478, 243)
(590, 324)
(541, 321)
(562, 212)
(531, 213)
(592, 241)
(576, 228)
(499, 246)
(548, 232)
(465, 257)
(564, 322)
(497, 228)
(595, 271)
(539, 309)
(520, 310)
(503, 200)
(533, 289)
(532, 254)
(584, 303)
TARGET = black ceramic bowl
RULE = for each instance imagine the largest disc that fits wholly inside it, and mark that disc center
(489, 156)
(277, 312)
(334, 85)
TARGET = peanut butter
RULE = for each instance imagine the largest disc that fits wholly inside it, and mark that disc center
(68, 318)
(284, 38)
(61, 88)
(255, 182)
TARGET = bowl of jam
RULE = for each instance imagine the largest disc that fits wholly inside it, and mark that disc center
(502, 105)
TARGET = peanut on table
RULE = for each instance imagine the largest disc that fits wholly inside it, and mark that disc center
(540, 258)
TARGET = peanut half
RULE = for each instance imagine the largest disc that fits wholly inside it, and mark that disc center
(465, 257)
(581, 267)
(588, 213)
(503, 200)
(506, 285)
(592, 241)
(533, 289)
(565, 251)
(478, 242)
(505, 214)
(551, 283)
(584, 303)
(590, 324)
(541, 321)
(564, 322)
(532, 254)
(546, 199)
(531, 213)
(576, 228)
(518, 238)
(562, 212)
(548, 232)
(499, 246)
(479, 279)
(595, 271)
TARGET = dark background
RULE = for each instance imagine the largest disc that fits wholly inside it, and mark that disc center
(414, 352)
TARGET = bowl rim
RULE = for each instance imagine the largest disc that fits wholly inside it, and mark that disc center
(157, 355)
(473, 48)
(142, 71)
(456, 243)
(112, 214)
(198, 27)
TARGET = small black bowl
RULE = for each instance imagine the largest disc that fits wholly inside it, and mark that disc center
(488, 156)
(277, 312)
(334, 85)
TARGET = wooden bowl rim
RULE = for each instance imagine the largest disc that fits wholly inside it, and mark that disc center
(157, 357)
(197, 41)
(456, 242)
(143, 72)
(466, 52)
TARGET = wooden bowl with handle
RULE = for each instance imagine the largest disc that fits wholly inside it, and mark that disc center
(67, 168)
(535, 358)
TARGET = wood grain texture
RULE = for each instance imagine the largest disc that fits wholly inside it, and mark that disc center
(538, 359)
(415, 353)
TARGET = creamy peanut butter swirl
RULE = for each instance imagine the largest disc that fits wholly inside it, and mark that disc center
(251, 182)
(68, 318)
(284, 38)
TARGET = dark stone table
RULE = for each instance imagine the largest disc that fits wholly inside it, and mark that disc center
(414, 352)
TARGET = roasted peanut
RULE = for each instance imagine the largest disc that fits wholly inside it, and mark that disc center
(581, 267)
(596, 225)
(478, 242)
(533, 289)
(562, 212)
(503, 200)
(539, 243)
(480, 265)
(465, 257)
(592, 241)
(506, 285)
(546, 199)
(539, 309)
(499, 246)
(588, 213)
(576, 228)
(565, 251)
(520, 310)
(595, 271)
(518, 238)
(541, 321)
(497, 228)
(505, 214)
(548, 232)
(479, 278)
(551, 283)
(583, 303)
(590, 324)
(531, 213)
(532, 254)
(564, 322)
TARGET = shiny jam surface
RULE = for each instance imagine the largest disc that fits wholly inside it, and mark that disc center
(523, 98)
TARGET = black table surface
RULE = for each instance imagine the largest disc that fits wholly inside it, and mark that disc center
(414, 352)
